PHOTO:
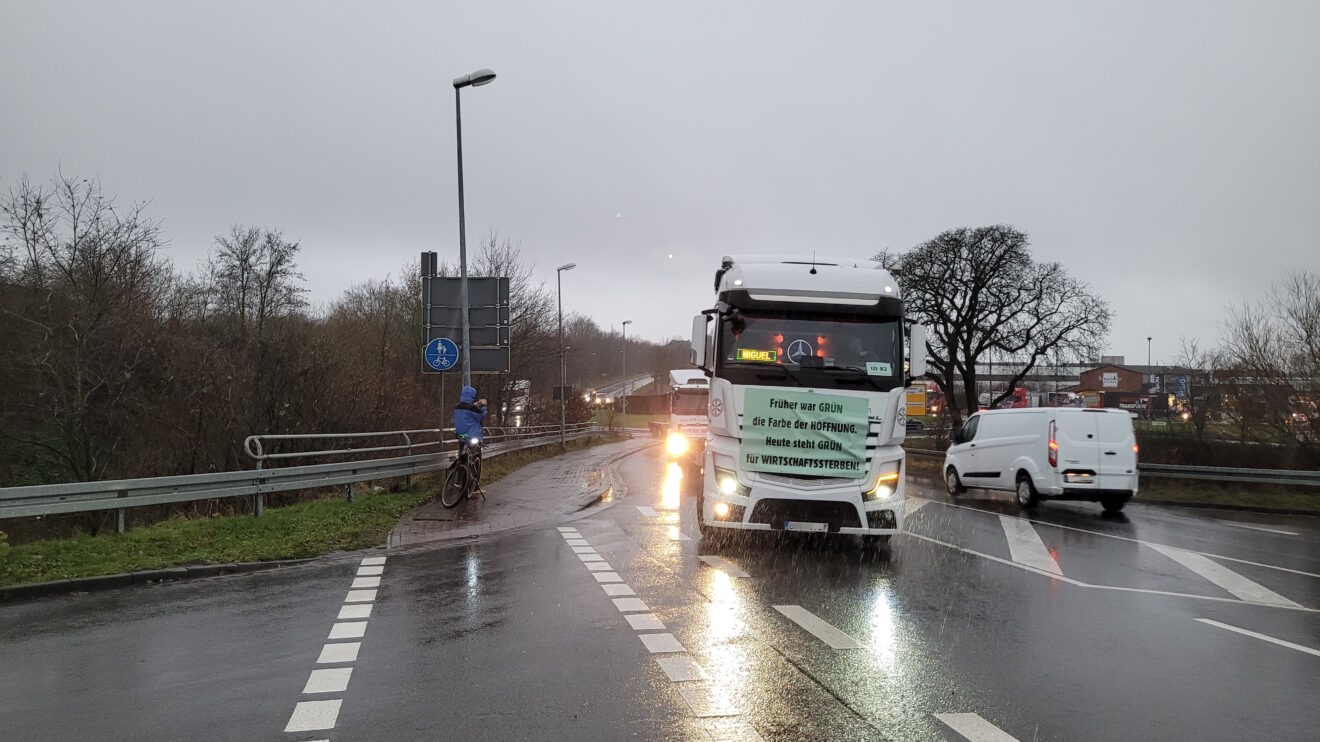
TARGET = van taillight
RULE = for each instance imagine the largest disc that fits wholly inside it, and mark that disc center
(1134, 449)
(1054, 446)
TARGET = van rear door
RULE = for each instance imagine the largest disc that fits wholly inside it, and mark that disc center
(1117, 451)
(1076, 432)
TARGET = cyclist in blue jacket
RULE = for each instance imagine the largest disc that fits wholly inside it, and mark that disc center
(469, 413)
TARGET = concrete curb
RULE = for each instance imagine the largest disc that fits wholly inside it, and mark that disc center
(143, 577)
(588, 499)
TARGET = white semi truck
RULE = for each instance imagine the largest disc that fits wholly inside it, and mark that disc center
(685, 434)
(807, 410)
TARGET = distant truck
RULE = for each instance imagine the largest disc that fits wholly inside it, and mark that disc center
(685, 432)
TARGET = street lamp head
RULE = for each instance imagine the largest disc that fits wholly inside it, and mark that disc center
(566, 267)
(627, 322)
(475, 79)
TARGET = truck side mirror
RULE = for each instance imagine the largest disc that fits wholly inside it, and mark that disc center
(699, 342)
(917, 352)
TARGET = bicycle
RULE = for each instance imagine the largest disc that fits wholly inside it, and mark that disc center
(464, 474)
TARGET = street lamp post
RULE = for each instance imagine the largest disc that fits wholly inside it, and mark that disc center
(475, 79)
(563, 393)
(1148, 350)
(625, 367)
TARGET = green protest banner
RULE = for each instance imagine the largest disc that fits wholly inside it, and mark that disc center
(792, 432)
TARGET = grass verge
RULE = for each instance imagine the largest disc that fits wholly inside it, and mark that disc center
(304, 529)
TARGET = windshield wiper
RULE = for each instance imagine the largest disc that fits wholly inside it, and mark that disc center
(762, 366)
(853, 369)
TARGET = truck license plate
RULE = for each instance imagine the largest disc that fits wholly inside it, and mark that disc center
(797, 525)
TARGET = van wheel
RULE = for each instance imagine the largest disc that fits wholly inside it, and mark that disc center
(953, 483)
(1027, 496)
(1114, 503)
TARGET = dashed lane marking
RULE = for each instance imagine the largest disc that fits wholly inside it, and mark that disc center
(1025, 546)
(576, 542)
(617, 588)
(348, 630)
(975, 729)
(591, 557)
(661, 643)
(724, 565)
(567, 529)
(644, 621)
(598, 566)
(333, 654)
(360, 610)
(677, 535)
(583, 550)
(1225, 577)
(1262, 637)
(818, 627)
(329, 680)
(311, 716)
(314, 716)
(628, 605)
(680, 668)
(647, 510)
(607, 576)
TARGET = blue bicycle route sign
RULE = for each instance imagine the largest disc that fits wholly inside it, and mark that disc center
(441, 354)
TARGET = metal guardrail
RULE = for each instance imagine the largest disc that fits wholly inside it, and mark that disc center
(1297, 477)
(121, 494)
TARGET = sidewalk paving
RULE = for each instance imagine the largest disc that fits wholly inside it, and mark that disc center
(541, 491)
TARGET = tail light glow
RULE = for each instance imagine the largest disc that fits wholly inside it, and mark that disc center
(1054, 446)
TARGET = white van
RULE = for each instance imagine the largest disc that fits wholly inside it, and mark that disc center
(1046, 452)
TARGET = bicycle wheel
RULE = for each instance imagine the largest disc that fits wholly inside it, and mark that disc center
(456, 485)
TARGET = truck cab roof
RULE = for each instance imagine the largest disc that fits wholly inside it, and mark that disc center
(806, 279)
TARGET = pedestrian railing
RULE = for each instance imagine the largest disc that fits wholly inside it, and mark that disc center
(423, 452)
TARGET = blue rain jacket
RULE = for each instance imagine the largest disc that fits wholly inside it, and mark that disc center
(467, 415)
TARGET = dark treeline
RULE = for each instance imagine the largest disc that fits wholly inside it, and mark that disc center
(114, 363)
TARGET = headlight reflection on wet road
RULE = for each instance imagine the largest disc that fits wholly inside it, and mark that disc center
(883, 641)
(672, 485)
(727, 663)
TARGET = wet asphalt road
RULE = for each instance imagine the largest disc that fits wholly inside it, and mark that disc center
(1067, 627)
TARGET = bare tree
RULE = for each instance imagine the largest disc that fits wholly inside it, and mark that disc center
(84, 313)
(979, 292)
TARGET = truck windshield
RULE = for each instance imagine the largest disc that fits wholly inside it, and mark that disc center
(690, 402)
(827, 351)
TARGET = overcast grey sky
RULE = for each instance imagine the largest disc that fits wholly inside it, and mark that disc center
(1165, 152)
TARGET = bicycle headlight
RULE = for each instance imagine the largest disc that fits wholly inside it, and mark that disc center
(474, 442)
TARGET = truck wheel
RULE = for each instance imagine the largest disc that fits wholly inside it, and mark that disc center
(1114, 503)
(1027, 496)
(953, 483)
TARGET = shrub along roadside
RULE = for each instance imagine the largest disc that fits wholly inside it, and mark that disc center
(305, 529)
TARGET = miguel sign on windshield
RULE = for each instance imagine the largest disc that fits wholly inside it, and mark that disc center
(804, 433)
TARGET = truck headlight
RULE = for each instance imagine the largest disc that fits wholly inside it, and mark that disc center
(885, 487)
(676, 444)
(727, 482)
